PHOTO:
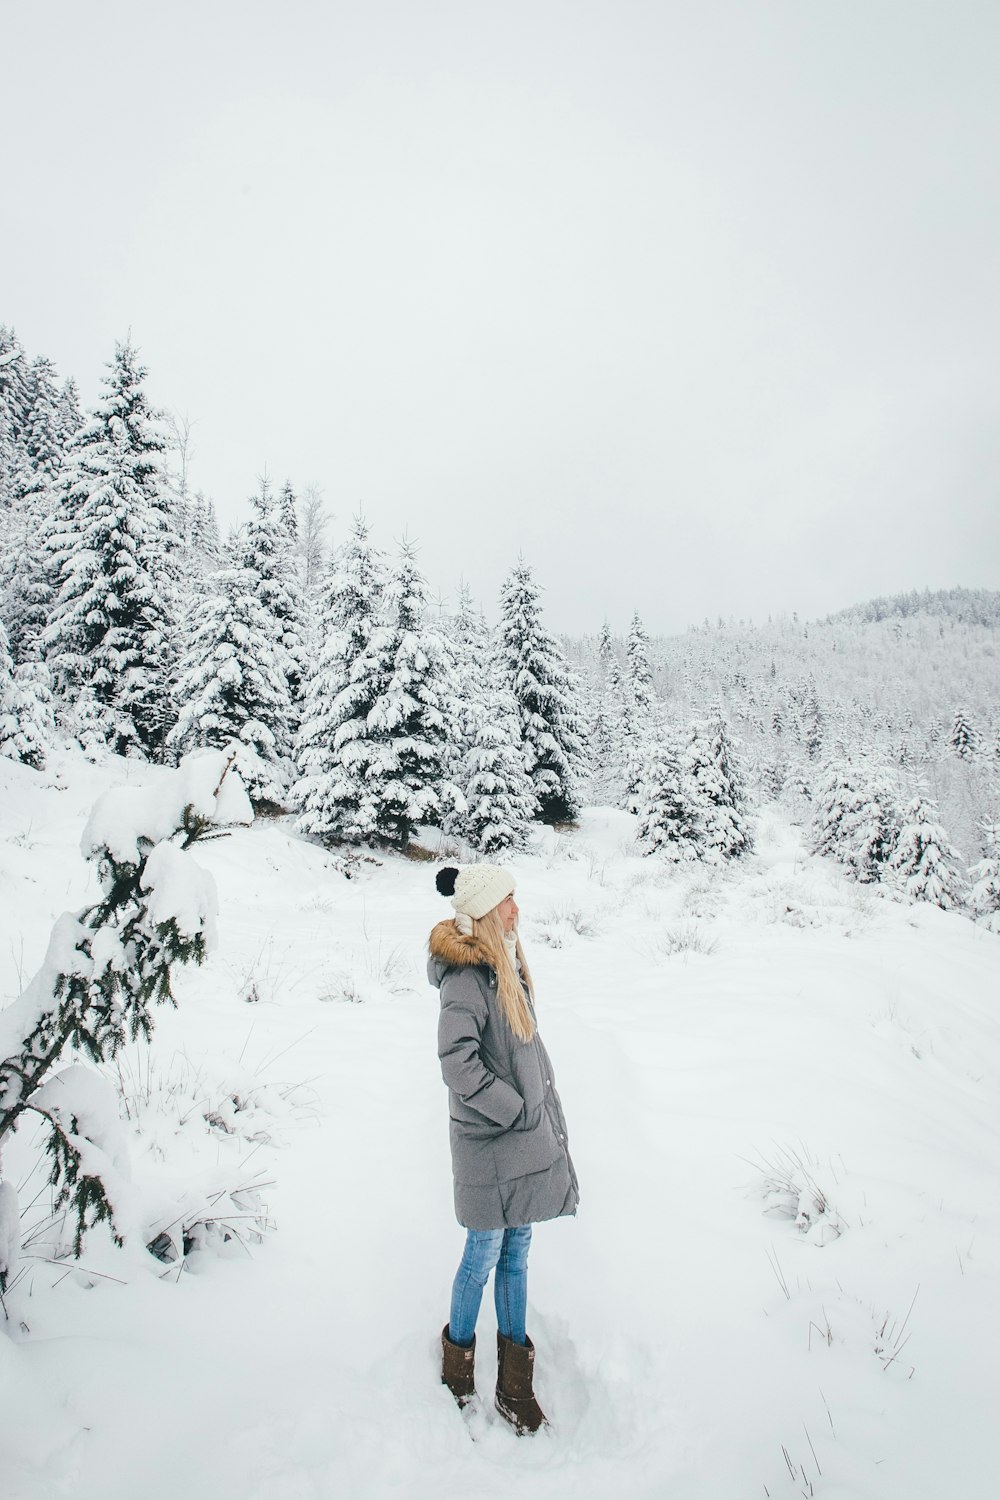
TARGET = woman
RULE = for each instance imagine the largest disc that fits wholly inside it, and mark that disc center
(510, 1160)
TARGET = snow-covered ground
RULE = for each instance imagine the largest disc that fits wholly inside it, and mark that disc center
(768, 1038)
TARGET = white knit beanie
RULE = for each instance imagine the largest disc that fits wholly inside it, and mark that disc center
(477, 889)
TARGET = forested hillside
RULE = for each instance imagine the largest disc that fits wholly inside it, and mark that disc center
(130, 625)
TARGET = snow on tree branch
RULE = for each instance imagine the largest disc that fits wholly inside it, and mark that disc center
(104, 969)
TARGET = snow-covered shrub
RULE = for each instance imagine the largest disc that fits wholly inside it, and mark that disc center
(561, 923)
(790, 1190)
(372, 974)
(105, 969)
(686, 937)
(221, 1208)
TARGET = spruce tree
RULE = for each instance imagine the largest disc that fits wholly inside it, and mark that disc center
(232, 688)
(339, 694)
(471, 685)
(25, 569)
(205, 534)
(606, 649)
(638, 735)
(14, 406)
(267, 552)
(964, 739)
(111, 629)
(869, 829)
(405, 740)
(836, 800)
(605, 785)
(717, 790)
(70, 416)
(640, 674)
(288, 512)
(6, 669)
(499, 798)
(545, 692)
(984, 875)
(26, 723)
(669, 820)
(813, 723)
(924, 862)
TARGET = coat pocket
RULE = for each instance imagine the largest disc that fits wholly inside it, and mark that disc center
(519, 1153)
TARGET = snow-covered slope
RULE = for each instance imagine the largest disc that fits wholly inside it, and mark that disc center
(764, 1038)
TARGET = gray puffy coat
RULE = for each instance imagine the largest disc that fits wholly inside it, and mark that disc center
(509, 1152)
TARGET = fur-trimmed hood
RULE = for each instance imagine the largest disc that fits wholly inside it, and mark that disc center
(451, 949)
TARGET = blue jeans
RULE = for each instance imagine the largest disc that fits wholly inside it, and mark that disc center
(507, 1249)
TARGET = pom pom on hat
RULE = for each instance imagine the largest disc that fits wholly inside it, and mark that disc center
(445, 880)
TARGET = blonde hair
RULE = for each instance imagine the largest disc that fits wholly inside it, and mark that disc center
(517, 1012)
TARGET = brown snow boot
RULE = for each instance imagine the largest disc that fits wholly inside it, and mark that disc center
(458, 1368)
(515, 1399)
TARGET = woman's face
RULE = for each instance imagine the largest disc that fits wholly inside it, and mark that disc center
(507, 912)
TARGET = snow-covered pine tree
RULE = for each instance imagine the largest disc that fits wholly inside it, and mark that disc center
(14, 405)
(499, 797)
(288, 512)
(339, 694)
(924, 862)
(70, 415)
(404, 744)
(106, 967)
(205, 533)
(111, 628)
(773, 776)
(268, 552)
(471, 654)
(812, 721)
(717, 789)
(545, 691)
(606, 654)
(638, 733)
(25, 568)
(232, 688)
(984, 875)
(837, 797)
(639, 672)
(669, 815)
(964, 739)
(869, 830)
(606, 732)
(605, 782)
(26, 722)
(6, 669)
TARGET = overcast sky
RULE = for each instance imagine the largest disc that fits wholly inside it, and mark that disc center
(694, 304)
